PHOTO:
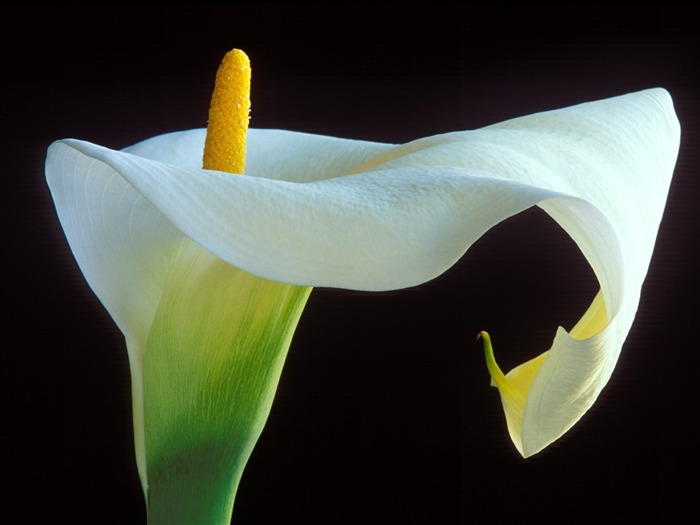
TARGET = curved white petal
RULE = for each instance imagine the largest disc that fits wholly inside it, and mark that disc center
(377, 230)
(119, 240)
(330, 212)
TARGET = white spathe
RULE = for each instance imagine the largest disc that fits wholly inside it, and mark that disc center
(322, 211)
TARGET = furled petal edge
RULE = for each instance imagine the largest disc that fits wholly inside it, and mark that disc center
(376, 230)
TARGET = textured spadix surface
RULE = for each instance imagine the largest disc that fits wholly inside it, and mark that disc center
(321, 211)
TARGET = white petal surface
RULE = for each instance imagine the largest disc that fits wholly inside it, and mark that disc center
(377, 230)
(329, 212)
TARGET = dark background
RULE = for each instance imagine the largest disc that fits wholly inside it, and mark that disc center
(384, 412)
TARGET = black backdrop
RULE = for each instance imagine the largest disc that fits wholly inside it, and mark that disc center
(384, 413)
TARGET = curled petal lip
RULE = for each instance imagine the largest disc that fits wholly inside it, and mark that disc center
(321, 211)
(341, 231)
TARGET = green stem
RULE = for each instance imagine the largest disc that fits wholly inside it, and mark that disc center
(195, 488)
(499, 378)
(214, 357)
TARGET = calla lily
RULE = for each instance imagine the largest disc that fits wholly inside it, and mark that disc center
(322, 211)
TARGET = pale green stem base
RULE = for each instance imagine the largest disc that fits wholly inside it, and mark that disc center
(213, 361)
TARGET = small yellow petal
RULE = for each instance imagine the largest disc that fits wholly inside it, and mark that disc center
(593, 321)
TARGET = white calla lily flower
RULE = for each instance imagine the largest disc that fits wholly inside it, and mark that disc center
(322, 211)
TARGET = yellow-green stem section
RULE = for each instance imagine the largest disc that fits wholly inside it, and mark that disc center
(499, 378)
(213, 361)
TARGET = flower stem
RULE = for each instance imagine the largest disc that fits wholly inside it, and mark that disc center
(214, 358)
(499, 378)
(197, 487)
